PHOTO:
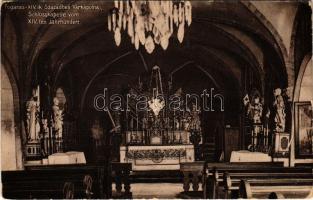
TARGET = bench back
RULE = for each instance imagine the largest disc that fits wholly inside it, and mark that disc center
(290, 188)
(229, 175)
(76, 181)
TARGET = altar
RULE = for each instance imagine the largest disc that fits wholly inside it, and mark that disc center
(158, 137)
(156, 157)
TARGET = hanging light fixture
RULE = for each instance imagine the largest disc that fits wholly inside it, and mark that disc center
(149, 23)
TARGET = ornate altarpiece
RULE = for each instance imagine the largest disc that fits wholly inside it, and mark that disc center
(159, 137)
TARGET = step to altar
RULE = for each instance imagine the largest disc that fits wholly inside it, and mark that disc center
(163, 176)
(156, 190)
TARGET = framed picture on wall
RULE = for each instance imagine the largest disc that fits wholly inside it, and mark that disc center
(303, 129)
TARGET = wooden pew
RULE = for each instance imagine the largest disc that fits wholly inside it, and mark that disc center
(57, 181)
(213, 174)
(276, 188)
(215, 182)
(231, 180)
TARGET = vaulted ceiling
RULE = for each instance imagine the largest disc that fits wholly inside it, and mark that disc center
(225, 41)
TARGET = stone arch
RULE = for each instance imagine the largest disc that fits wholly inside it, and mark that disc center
(97, 74)
(282, 48)
(293, 37)
(304, 65)
(301, 17)
(11, 140)
(296, 97)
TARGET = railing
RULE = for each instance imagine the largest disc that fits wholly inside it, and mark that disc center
(192, 175)
(120, 175)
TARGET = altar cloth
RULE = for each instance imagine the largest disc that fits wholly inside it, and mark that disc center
(248, 156)
(156, 157)
(71, 157)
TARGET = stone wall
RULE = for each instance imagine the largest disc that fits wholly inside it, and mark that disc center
(11, 154)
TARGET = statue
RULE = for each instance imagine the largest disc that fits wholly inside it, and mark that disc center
(33, 126)
(45, 137)
(186, 121)
(195, 118)
(280, 115)
(57, 118)
(254, 108)
(254, 112)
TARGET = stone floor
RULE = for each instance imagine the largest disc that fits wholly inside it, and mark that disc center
(156, 190)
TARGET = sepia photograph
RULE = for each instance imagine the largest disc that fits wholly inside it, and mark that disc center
(156, 99)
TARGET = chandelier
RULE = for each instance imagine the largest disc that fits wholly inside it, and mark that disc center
(149, 23)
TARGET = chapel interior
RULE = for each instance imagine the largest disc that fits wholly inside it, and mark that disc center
(70, 122)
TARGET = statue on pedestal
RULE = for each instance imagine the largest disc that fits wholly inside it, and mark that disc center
(57, 118)
(280, 115)
(45, 137)
(97, 133)
(254, 108)
(195, 118)
(254, 112)
(32, 108)
(186, 121)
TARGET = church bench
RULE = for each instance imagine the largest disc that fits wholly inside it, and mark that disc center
(57, 181)
(231, 180)
(196, 173)
(276, 188)
(212, 176)
(213, 179)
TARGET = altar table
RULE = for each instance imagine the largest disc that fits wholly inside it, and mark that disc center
(248, 156)
(158, 157)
